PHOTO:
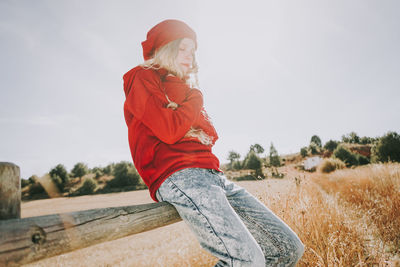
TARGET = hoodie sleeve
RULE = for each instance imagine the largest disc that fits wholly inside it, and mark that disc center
(147, 102)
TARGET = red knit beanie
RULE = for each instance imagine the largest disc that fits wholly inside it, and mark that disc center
(165, 32)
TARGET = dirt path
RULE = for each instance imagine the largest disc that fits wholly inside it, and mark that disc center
(62, 205)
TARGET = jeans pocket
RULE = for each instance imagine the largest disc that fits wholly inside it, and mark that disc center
(219, 177)
(214, 171)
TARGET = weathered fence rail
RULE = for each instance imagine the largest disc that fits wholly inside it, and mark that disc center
(31, 239)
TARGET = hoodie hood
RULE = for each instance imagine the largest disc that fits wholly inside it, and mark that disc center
(128, 79)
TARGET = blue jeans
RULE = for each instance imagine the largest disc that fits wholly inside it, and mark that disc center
(228, 221)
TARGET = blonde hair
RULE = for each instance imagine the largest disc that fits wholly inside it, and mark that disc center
(204, 138)
(165, 56)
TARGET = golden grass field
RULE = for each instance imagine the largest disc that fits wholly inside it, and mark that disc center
(350, 217)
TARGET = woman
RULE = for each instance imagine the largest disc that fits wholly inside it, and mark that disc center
(171, 138)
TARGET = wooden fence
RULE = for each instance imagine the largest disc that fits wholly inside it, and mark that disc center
(30, 239)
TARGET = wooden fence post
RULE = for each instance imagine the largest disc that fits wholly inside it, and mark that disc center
(10, 191)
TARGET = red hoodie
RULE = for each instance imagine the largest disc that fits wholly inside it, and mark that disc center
(156, 133)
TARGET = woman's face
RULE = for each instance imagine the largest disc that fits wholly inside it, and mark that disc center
(186, 51)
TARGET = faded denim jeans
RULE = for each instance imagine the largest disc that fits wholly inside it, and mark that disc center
(228, 221)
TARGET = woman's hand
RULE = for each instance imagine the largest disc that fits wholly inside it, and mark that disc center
(172, 105)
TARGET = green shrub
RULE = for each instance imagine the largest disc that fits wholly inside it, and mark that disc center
(387, 148)
(303, 152)
(58, 182)
(33, 179)
(331, 145)
(24, 182)
(245, 178)
(274, 159)
(59, 176)
(362, 160)
(98, 172)
(233, 157)
(80, 169)
(253, 162)
(366, 140)
(314, 148)
(345, 155)
(330, 165)
(351, 138)
(88, 187)
(37, 189)
(108, 169)
(316, 140)
(125, 174)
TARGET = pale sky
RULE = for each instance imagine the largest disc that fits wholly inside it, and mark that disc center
(270, 71)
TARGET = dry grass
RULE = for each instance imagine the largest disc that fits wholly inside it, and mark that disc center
(346, 218)
(330, 164)
(374, 191)
(329, 234)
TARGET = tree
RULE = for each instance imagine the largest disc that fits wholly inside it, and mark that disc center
(303, 152)
(59, 176)
(314, 148)
(345, 155)
(351, 138)
(33, 179)
(24, 182)
(316, 140)
(37, 189)
(354, 138)
(125, 174)
(362, 160)
(232, 157)
(274, 159)
(88, 187)
(237, 165)
(257, 148)
(253, 162)
(97, 171)
(346, 138)
(80, 169)
(331, 145)
(366, 140)
(387, 148)
(108, 169)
